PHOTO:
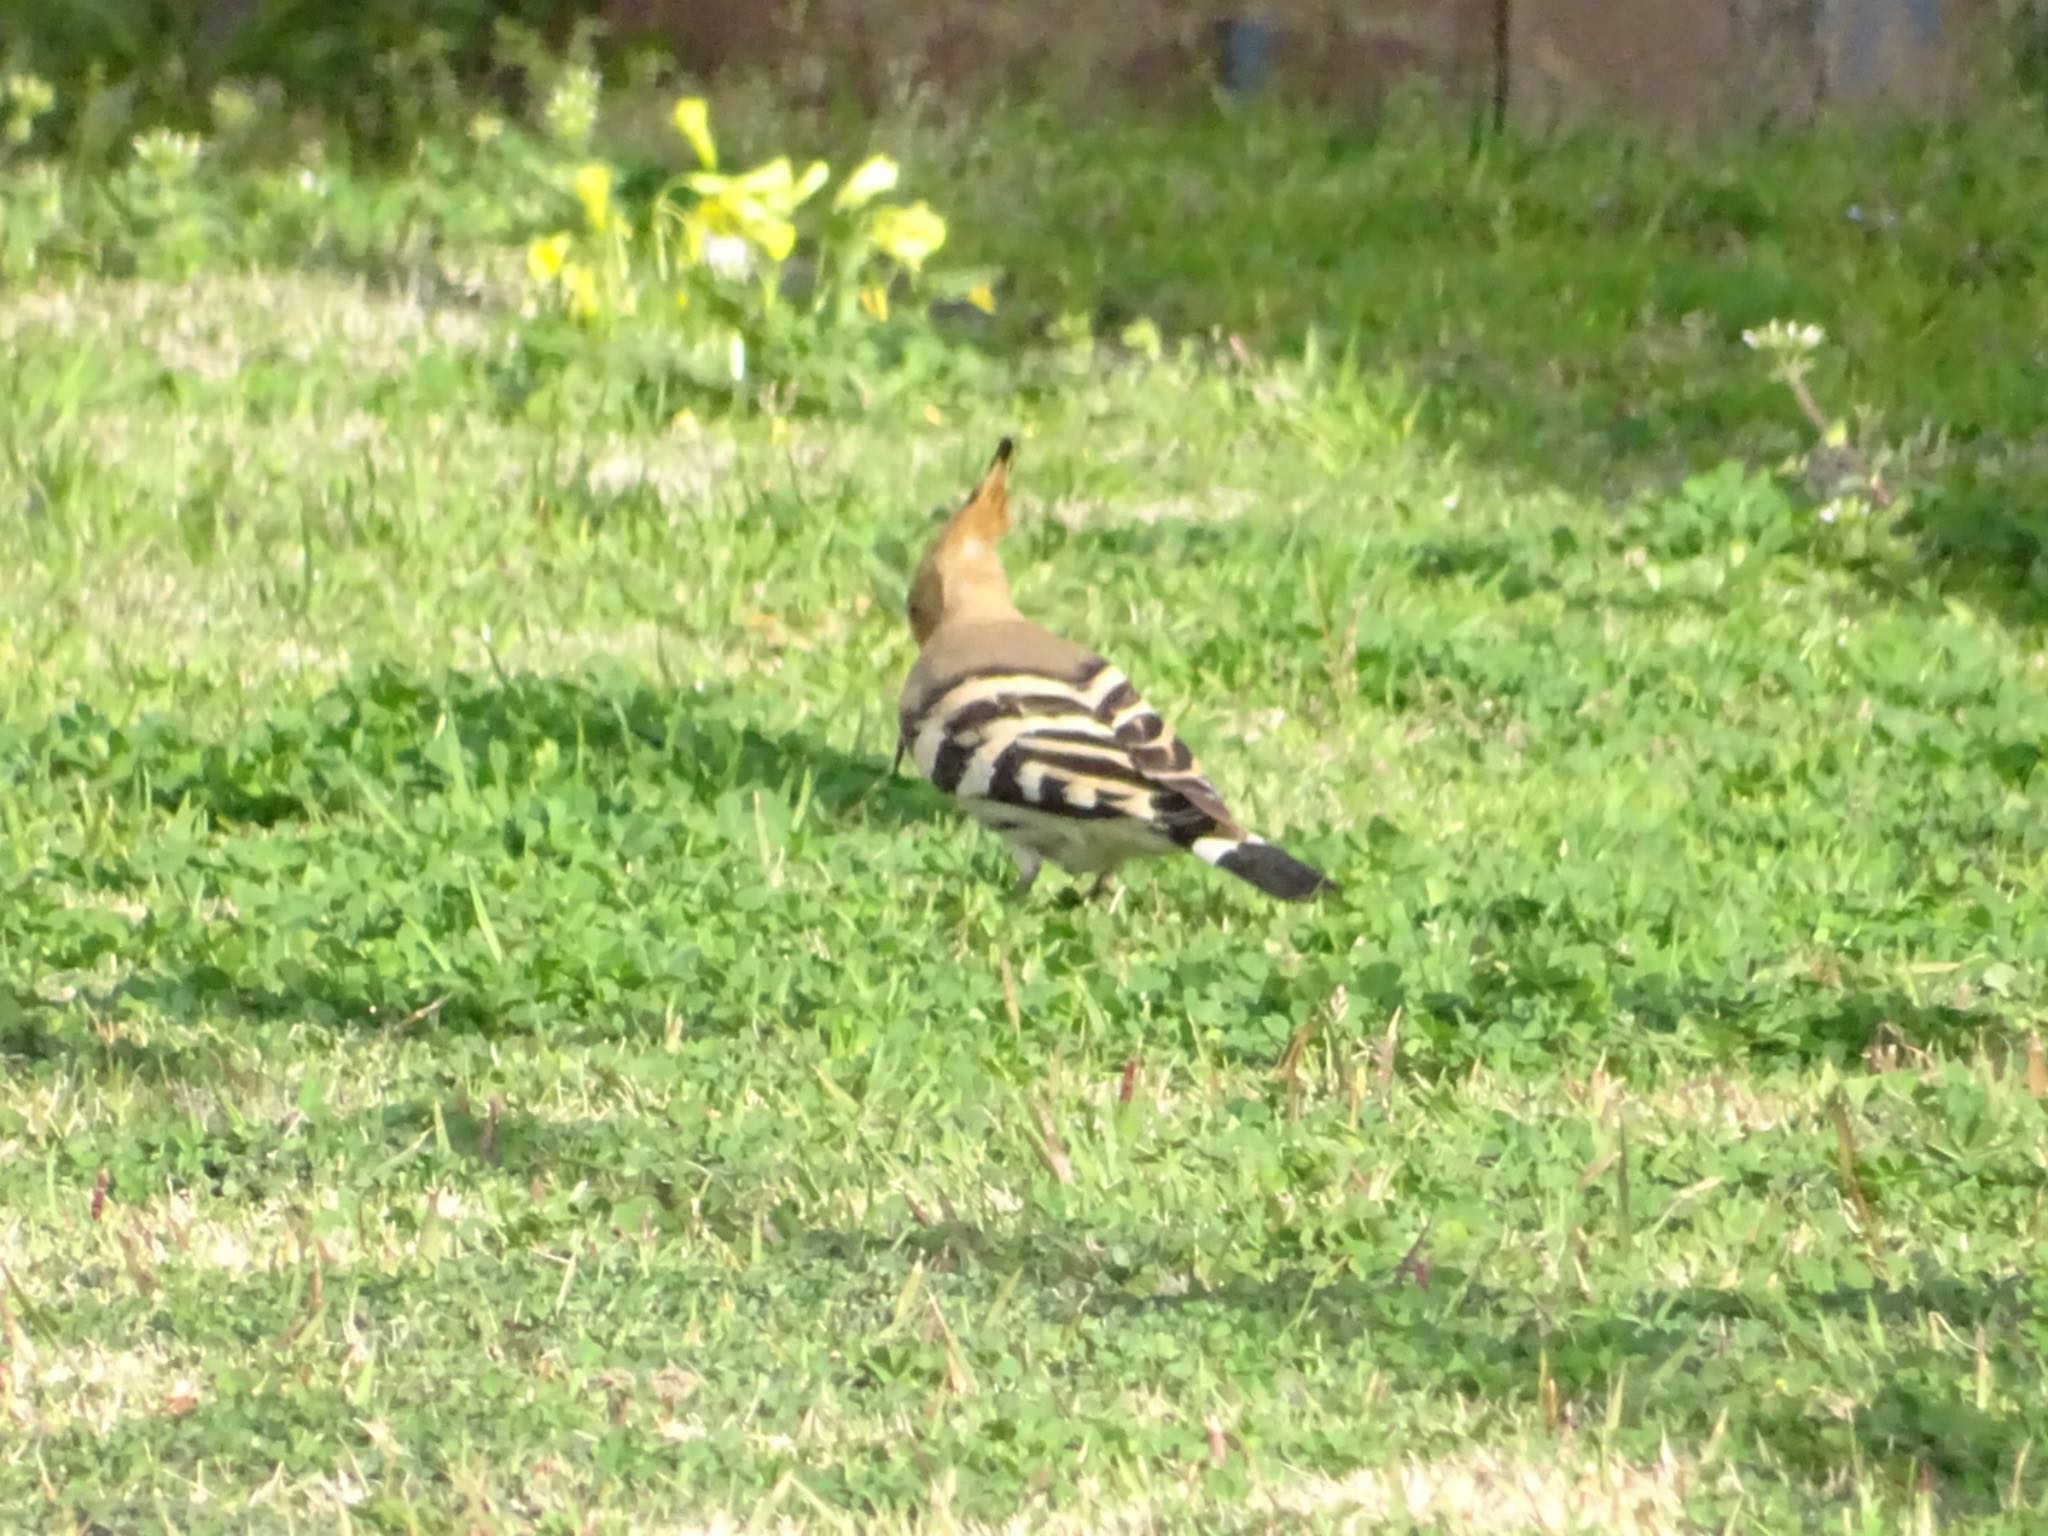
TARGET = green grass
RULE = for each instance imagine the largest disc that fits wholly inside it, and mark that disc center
(486, 1047)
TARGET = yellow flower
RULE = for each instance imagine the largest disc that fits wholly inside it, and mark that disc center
(815, 175)
(776, 237)
(593, 184)
(544, 258)
(771, 181)
(751, 220)
(756, 204)
(983, 298)
(775, 185)
(871, 178)
(909, 234)
(682, 298)
(693, 121)
(694, 227)
(875, 300)
(581, 282)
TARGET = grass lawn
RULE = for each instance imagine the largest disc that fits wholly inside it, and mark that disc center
(486, 1048)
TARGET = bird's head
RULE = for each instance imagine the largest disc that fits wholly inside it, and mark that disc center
(961, 576)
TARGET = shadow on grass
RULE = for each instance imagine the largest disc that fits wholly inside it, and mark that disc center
(434, 778)
(1569, 312)
(457, 765)
(1678, 1361)
(317, 760)
(1802, 1376)
(1768, 1369)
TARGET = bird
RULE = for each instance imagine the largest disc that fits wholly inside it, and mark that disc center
(1043, 740)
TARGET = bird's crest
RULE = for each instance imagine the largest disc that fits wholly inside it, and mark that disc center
(961, 575)
(986, 515)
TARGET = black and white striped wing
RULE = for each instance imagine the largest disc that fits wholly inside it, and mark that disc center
(1083, 746)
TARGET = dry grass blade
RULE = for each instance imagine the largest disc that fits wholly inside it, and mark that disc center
(420, 1014)
(316, 1301)
(1383, 1058)
(959, 1378)
(1852, 1181)
(1287, 1070)
(1047, 1147)
(1592, 1171)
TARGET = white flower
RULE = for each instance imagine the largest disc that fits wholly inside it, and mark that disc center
(169, 156)
(1795, 336)
(728, 256)
(571, 111)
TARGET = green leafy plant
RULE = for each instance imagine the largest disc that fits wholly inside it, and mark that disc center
(163, 212)
(731, 260)
(31, 190)
(23, 99)
(1847, 473)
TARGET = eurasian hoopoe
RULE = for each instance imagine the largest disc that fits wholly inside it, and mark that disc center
(1043, 740)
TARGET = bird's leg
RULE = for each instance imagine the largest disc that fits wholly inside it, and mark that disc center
(874, 785)
(1105, 884)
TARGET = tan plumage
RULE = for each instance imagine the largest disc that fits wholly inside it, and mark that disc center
(1042, 739)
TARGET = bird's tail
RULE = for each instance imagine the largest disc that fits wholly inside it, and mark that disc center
(1257, 862)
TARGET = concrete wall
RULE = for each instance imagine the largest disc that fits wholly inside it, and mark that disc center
(1682, 63)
